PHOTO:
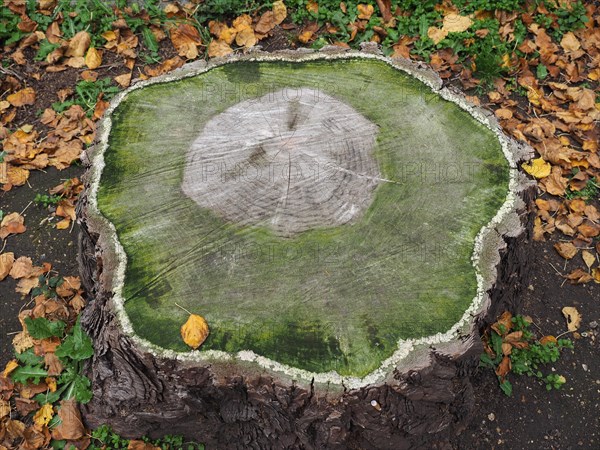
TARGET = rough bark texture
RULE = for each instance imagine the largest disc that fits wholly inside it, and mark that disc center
(137, 393)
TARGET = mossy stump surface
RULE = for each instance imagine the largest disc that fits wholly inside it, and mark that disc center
(341, 223)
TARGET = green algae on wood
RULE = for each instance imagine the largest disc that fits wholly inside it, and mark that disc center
(330, 298)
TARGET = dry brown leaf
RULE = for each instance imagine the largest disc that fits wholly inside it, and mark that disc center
(195, 331)
(218, 49)
(555, 183)
(68, 287)
(6, 263)
(71, 426)
(266, 23)
(124, 80)
(12, 223)
(164, 67)
(504, 324)
(78, 44)
(17, 176)
(186, 39)
(503, 368)
(579, 276)
(22, 267)
(565, 249)
(570, 43)
(573, 318)
(141, 445)
(23, 97)
(53, 364)
(504, 113)
(588, 258)
(25, 285)
(93, 58)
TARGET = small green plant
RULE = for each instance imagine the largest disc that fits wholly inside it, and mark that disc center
(510, 346)
(46, 200)
(589, 192)
(87, 93)
(9, 31)
(104, 437)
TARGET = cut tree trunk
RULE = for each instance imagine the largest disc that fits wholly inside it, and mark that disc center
(305, 205)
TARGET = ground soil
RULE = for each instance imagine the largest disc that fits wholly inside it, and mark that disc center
(531, 419)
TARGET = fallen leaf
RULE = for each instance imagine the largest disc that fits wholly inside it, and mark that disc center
(53, 364)
(71, 426)
(6, 263)
(504, 113)
(68, 287)
(503, 368)
(436, 34)
(504, 324)
(365, 11)
(141, 445)
(17, 176)
(569, 42)
(547, 340)
(588, 258)
(195, 331)
(246, 38)
(279, 12)
(10, 366)
(538, 168)
(186, 39)
(13, 223)
(43, 416)
(565, 249)
(124, 80)
(454, 23)
(78, 44)
(579, 276)
(4, 409)
(218, 49)
(573, 318)
(25, 285)
(22, 341)
(93, 58)
(312, 6)
(596, 274)
(23, 97)
(21, 268)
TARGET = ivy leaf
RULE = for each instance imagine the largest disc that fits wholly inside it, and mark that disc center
(77, 346)
(28, 372)
(42, 328)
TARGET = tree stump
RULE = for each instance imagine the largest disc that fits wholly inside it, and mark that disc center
(343, 222)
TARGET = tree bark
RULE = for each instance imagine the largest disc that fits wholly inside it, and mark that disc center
(140, 394)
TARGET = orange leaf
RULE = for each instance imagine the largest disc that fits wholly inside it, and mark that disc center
(186, 39)
(504, 367)
(565, 249)
(71, 426)
(23, 97)
(219, 49)
(195, 331)
(365, 11)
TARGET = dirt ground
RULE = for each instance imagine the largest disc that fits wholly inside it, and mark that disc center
(531, 419)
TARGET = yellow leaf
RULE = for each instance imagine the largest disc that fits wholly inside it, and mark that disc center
(63, 224)
(436, 34)
(534, 96)
(454, 23)
(43, 416)
(10, 366)
(596, 274)
(312, 6)
(565, 249)
(194, 331)
(218, 49)
(538, 168)
(573, 318)
(588, 258)
(279, 12)
(365, 11)
(246, 38)
(93, 58)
